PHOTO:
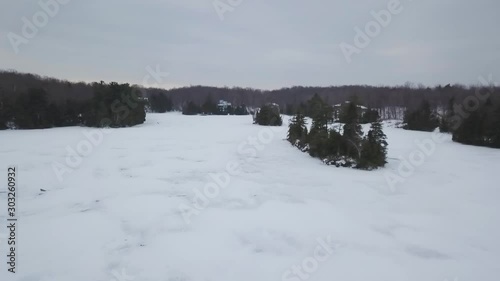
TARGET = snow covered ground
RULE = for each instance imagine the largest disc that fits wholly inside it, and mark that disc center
(191, 198)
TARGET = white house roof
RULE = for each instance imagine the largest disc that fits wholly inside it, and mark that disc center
(224, 103)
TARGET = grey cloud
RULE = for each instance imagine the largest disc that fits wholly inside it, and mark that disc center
(263, 44)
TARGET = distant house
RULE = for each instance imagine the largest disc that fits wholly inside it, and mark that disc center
(224, 106)
(337, 109)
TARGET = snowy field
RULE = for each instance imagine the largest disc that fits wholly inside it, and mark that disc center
(194, 198)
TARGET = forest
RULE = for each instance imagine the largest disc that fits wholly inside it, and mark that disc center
(29, 101)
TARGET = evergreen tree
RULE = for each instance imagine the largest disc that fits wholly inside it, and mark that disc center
(241, 110)
(54, 116)
(352, 131)
(289, 110)
(230, 110)
(374, 148)
(71, 113)
(317, 141)
(321, 114)
(446, 123)
(297, 131)
(370, 116)
(491, 128)
(349, 113)
(6, 110)
(316, 106)
(351, 110)
(115, 105)
(318, 136)
(303, 108)
(160, 103)
(31, 110)
(269, 115)
(191, 109)
(496, 128)
(334, 148)
(470, 129)
(209, 107)
(481, 127)
(421, 119)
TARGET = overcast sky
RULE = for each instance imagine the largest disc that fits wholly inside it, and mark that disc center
(264, 44)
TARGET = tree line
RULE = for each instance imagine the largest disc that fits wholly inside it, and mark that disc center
(111, 105)
(476, 121)
(389, 101)
(209, 107)
(28, 101)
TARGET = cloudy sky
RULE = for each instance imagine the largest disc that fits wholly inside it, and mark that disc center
(253, 43)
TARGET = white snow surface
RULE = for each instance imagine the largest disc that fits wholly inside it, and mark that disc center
(121, 214)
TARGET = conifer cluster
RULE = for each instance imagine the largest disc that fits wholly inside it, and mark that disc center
(339, 144)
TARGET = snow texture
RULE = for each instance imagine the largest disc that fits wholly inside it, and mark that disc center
(164, 201)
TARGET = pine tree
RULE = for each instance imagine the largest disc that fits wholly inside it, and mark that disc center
(496, 130)
(314, 105)
(191, 109)
(31, 110)
(209, 107)
(241, 110)
(446, 123)
(115, 105)
(491, 128)
(160, 103)
(469, 131)
(370, 116)
(321, 114)
(481, 127)
(334, 147)
(352, 131)
(297, 131)
(6, 108)
(290, 110)
(268, 115)
(318, 136)
(317, 141)
(374, 148)
(421, 119)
